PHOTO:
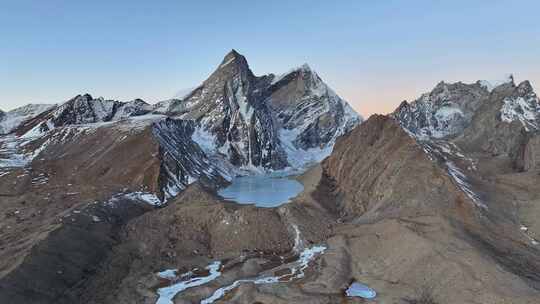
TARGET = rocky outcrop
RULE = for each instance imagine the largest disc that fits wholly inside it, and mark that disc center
(529, 154)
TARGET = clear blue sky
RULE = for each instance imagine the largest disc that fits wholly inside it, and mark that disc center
(373, 53)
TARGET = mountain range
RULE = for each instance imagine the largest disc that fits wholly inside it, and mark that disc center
(234, 123)
(436, 202)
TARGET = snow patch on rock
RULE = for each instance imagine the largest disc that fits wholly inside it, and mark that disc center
(299, 158)
(146, 197)
(524, 110)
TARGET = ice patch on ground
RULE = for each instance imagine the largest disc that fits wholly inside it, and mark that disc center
(297, 268)
(166, 294)
(297, 271)
(357, 289)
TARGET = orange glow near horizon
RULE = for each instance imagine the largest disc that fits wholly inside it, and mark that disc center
(380, 100)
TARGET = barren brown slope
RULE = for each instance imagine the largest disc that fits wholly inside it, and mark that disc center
(410, 225)
(195, 229)
(50, 240)
(380, 171)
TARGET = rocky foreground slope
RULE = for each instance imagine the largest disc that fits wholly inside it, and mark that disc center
(415, 220)
(438, 200)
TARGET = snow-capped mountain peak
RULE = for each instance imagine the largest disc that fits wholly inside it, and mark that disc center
(233, 57)
(494, 117)
(449, 107)
(252, 118)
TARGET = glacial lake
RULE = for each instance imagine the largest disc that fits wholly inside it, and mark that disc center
(262, 190)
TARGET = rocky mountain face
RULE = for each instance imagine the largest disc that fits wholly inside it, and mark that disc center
(232, 116)
(479, 117)
(183, 161)
(268, 122)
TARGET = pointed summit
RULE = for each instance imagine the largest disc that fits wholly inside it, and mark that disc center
(232, 54)
(233, 66)
(234, 57)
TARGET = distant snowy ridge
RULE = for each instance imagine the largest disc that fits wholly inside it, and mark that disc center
(449, 108)
(482, 118)
(12, 119)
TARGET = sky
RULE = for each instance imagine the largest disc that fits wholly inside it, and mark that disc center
(374, 54)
